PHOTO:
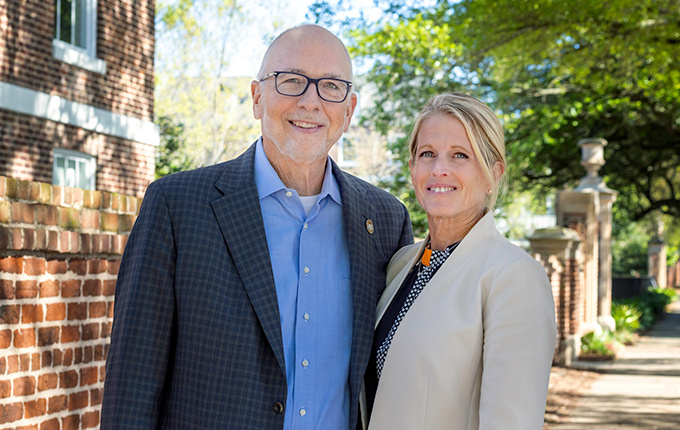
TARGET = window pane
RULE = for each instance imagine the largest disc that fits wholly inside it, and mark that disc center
(83, 177)
(65, 21)
(58, 174)
(79, 25)
(71, 173)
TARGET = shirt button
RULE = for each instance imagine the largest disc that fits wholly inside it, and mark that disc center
(305, 363)
(306, 225)
(303, 412)
(306, 316)
(306, 269)
(289, 193)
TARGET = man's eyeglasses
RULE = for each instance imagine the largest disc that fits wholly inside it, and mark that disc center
(295, 84)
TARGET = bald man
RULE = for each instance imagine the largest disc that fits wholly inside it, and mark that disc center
(246, 295)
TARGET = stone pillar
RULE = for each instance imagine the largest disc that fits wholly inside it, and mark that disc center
(558, 250)
(592, 159)
(578, 210)
(656, 258)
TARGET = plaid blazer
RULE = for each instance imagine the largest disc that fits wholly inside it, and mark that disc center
(196, 340)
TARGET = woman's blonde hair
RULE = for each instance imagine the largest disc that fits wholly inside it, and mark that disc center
(484, 131)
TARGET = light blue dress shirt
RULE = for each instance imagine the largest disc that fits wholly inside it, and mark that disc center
(310, 262)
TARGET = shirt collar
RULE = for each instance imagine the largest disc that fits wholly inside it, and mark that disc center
(268, 181)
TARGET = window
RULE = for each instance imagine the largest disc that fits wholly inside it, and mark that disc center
(73, 169)
(347, 153)
(75, 34)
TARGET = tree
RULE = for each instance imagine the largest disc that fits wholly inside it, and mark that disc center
(556, 71)
(171, 155)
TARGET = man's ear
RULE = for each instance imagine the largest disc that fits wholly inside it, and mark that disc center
(256, 95)
(353, 98)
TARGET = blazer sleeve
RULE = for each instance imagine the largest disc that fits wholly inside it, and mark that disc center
(519, 342)
(142, 322)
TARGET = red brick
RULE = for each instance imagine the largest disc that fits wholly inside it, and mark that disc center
(6, 238)
(98, 309)
(52, 424)
(24, 338)
(12, 364)
(77, 311)
(70, 288)
(24, 386)
(70, 333)
(31, 427)
(77, 355)
(35, 408)
(96, 396)
(90, 420)
(89, 219)
(69, 218)
(114, 266)
(79, 267)
(26, 289)
(31, 314)
(56, 267)
(78, 400)
(6, 289)
(25, 362)
(68, 379)
(5, 339)
(57, 404)
(47, 215)
(3, 365)
(5, 389)
(89, 376)
(49, 288)
(11, 412)
(53, 238)
(48, 336)
(34, 266)
(9, 314)
(90, 331)
(48, 381)
(92, 287)
(88, 352)
(71, 422)
(109, 288)
(12, 265)
(55, 312)
(23, 213)
(35, 361)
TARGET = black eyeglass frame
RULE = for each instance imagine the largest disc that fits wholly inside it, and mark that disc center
(309, 81)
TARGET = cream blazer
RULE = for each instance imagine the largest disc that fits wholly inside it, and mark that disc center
(475, 349)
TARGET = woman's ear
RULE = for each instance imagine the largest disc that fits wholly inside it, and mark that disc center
(498, 170)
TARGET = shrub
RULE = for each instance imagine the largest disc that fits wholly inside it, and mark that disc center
(599, 344)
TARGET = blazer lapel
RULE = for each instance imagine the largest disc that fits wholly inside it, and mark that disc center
(239, 216)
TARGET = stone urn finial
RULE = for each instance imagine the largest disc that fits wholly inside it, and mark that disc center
(592, 158)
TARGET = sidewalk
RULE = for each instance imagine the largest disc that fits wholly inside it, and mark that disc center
(640, 389)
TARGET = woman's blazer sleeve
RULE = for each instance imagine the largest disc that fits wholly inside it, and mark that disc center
(519, 342)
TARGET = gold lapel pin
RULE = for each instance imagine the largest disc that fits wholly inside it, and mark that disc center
(369, 226)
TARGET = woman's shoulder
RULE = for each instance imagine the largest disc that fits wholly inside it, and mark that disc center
(401, 258)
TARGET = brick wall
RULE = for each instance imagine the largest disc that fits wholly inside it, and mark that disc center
(60, 251)
(26, 146)
(125, 41)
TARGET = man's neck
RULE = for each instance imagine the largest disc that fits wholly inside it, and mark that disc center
(304, 177)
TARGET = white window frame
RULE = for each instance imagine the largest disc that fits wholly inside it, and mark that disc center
(343, 161)
(81, 56)
(80, 161)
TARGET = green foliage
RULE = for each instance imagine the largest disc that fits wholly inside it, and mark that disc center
(601, 344)
(171, 155)
(626, 316)
(556, 71)
(629, 250)
(650, 305)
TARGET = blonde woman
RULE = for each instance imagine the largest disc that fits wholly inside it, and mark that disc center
(466, 327)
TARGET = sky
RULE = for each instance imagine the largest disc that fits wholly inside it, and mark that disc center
(282, 14)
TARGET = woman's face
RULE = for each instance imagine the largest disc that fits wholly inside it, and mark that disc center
(446, 175)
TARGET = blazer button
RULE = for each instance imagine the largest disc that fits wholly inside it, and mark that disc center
(278, 408)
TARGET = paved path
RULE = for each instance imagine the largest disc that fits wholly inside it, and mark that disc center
(640, 389)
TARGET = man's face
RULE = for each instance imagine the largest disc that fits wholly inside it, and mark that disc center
(301, 130)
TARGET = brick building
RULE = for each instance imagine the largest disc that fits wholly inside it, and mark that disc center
(77, 147)
(76, 93)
